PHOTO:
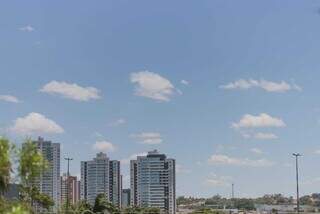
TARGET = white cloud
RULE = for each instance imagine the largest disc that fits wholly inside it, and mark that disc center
(152, 85)
(71, 91)
(151, 138)
(317, 152)
(263, 84)
(262, 120)
(104, 146)
(118, 122)
(265, 136)
(9, 98)
(184, 82)
(256, 151)
(218, 181)
(126, 161)
(182, 170)
(218, 159)
(35, 123)
(259, 135)
(27, 28)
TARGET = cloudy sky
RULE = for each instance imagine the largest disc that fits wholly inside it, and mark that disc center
(227, 88)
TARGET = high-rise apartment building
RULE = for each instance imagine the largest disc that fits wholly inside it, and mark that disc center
(70, 187)
(125, 198)
(153, 182)
(49, 181)
(115, 183)
(101, 175)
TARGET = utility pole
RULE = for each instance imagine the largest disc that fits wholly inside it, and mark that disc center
(232, 193)
(297, 155)
(68, 186)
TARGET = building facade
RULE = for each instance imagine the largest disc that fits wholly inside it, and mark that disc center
(115, 183)
(125, 198)
(49, 181)
(101, 176)
(70, 187)
(153, 182)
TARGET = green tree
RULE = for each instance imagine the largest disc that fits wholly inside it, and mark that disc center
(131, 210)
(141, 210)
(206, 211)
(5, 164)
(31, 165)
(102, 204)
(150, 210)
(82, 206)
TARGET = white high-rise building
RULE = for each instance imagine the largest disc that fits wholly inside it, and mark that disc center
(101, 175)
(49, 181)
(153, 182)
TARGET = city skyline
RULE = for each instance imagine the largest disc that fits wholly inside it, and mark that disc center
(230, 93)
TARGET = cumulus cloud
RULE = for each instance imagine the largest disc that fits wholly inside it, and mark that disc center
(118, 122)
(218, 159)
(263, 84)
(126, 161)
(9, 98)
(218, 181)
(104, 146)
(151, 138)
(152, 85)
(184, 82)
(259, 135)
(262, 120)
(256, 151)
(27, 28)
(35, 123)
(265, 136)
(71, 91)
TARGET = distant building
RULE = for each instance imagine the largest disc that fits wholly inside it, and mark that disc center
(282, 208)
(12, 193)
(74, 189)
(125, 198)
(49, 181)
(153, 182)
(101, 175)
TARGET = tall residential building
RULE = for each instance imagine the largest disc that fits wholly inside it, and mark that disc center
(125, 198)
(49, 181)
(115, 182)
(74, 189)
(101, 175)
(153, 182)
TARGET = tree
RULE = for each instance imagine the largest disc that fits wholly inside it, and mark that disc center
(81, 206)
(150, 210)
(130, 210)
(141, 210)
(244, 204)
(5, 164)
(206, 211)
(101, 205)
(31, 165)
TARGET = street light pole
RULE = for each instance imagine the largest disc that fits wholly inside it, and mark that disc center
(68, 174)
(297, 155)
(232, 193)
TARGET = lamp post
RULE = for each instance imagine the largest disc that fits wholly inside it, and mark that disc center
(232, 192)
(297, 155)
(68, 174)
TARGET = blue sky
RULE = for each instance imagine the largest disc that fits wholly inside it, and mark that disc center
(227, 88)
